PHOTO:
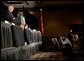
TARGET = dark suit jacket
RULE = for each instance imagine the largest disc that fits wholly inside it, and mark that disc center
(9, 16)
(17, 20)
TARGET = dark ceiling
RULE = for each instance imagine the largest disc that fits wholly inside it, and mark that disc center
(48, 5)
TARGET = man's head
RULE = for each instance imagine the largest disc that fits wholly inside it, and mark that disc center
(10, 8)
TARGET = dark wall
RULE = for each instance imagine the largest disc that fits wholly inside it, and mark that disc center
(58, 21)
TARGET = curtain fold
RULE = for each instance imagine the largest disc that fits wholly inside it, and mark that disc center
(40, 25)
